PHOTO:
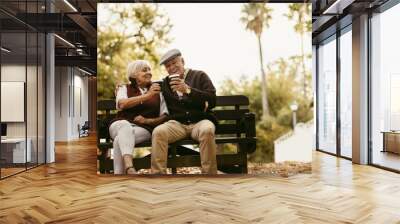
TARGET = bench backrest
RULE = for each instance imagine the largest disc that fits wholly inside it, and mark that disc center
(229, 110)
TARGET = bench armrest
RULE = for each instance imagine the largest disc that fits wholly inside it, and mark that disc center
(102, 129)
(249, 123)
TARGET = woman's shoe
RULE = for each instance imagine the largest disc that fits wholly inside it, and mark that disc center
(130, 170)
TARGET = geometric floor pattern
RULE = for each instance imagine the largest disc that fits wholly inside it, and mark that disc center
(70, 191)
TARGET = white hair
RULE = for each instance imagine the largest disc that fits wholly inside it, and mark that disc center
(136, 66)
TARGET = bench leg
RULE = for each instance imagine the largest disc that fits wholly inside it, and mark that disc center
(101, 157)
(244, 166)
(243, 156)
(173, 156)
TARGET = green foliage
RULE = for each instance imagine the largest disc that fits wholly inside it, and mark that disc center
(256, 16)
(284, 88)
(301, 13)
(132, 31)
(249, 88)
(267, 132)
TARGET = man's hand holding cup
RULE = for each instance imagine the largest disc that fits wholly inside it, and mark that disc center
(178, 85)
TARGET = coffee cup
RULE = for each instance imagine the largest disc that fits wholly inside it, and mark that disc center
(159, 82)
(172, 77)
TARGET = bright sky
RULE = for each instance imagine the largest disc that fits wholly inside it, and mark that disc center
(213, 39)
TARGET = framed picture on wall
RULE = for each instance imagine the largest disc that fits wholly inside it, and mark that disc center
(12, 101)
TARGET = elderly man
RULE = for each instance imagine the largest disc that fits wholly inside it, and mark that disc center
(189, 95)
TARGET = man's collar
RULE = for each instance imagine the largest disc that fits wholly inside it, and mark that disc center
(185, 73)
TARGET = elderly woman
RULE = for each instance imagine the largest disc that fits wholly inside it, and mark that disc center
(140, 107)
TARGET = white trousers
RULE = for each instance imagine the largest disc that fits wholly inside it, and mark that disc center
(125, 136)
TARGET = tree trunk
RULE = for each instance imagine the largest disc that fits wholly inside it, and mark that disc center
(263, 83)
(303, 10)
(303, 67)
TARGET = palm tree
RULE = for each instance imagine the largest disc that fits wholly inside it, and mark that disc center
(301, 13)
(256, 17)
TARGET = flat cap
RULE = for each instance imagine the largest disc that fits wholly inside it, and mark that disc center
(169, 55)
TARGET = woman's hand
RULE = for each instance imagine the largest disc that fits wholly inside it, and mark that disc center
(149, 121)
(154, 89)
(140, 120)
(144, 121)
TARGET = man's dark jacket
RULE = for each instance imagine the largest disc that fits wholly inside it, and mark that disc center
(191, 108)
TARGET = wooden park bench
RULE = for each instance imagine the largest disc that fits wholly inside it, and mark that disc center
(236, 126)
